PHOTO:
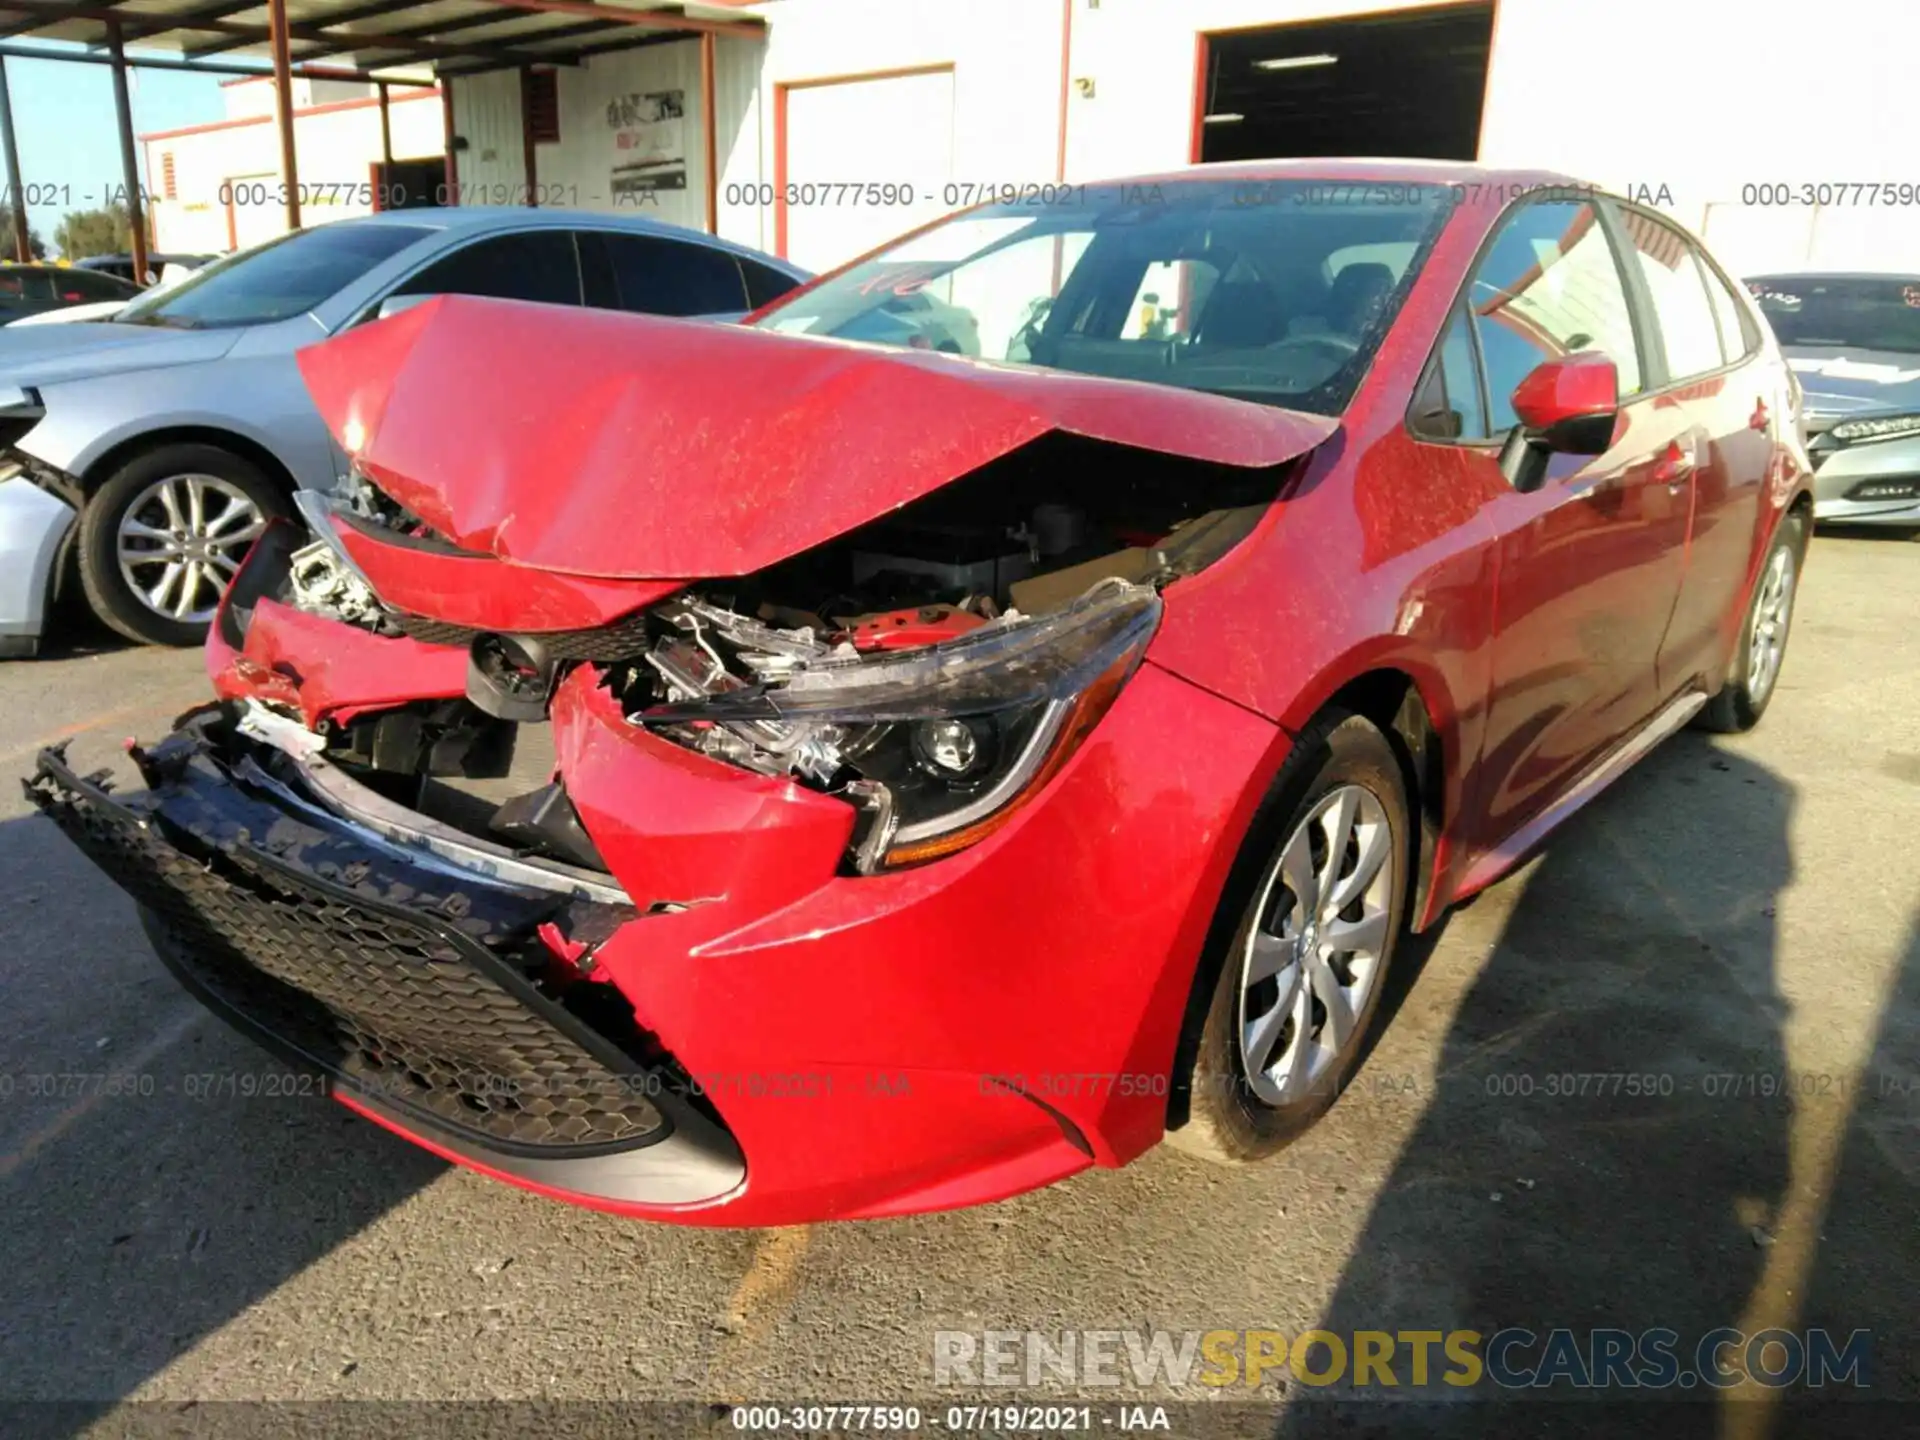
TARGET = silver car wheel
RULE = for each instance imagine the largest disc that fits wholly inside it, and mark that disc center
(1772, 614)
(1322, 924)
(181, 541)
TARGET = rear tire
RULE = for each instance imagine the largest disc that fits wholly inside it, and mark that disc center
(1754, 673)
(1334, 841)
(160, 539)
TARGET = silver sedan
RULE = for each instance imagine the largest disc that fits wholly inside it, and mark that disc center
(153, 446)
(1853, 339)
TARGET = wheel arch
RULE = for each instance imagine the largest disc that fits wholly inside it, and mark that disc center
(246, 447)
(1394, 700)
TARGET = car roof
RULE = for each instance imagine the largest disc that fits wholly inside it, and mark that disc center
(1347, 168)
(475, 218)
(94, 262)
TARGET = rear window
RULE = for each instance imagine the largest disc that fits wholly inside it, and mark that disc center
(1860, 312)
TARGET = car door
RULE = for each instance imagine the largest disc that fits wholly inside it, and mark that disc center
(1709, 349)
(1589, 563)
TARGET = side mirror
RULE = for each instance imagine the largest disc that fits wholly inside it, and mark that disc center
(395, 304)
(1568, 406)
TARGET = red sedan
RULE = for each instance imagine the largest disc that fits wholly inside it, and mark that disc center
(754, 774)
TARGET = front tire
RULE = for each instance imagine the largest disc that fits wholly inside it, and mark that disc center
(1302, 976)
(1762, 649)
(160, 539)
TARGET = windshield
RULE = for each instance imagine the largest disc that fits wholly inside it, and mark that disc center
(286, 276)
(1861, 312)
(1276, 291)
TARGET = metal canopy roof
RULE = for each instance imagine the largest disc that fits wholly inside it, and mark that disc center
(360, 37)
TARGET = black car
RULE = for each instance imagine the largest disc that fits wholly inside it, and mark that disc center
(30, 289)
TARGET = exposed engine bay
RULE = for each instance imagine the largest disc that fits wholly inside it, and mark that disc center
(931, 667)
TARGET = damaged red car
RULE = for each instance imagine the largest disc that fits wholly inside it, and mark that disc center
(806, 769)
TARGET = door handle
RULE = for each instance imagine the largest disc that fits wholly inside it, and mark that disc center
(1675, 466)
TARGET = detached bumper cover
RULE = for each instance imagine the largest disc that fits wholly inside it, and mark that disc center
(853, 1046)
(419, 994)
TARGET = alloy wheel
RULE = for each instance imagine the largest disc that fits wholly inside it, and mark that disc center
(182, 539)
(1772, 614)
(1309, 965)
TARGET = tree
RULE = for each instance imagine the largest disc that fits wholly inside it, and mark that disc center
(36, 247)
(107, 231)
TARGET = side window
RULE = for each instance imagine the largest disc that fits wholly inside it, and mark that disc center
(1679, 294)
(1737, 337)
(764, 283)
(1548, 287)
(671, 277)
(1451, 405)
(529, 265)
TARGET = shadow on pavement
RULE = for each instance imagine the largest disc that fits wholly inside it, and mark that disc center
(1601, 1150)
(1869, 1251)
(159, 1174)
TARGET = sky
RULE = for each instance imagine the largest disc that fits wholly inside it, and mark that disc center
(64, 122)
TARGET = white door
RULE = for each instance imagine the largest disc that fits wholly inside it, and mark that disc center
(896, 133)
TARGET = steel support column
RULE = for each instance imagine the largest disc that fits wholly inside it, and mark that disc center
(22, 246)
(452, 187)
(708, 138)
(283, 106)
(129, 164)
(528, 160)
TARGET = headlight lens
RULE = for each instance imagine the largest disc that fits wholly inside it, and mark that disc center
(1877, 429)
(942, 745)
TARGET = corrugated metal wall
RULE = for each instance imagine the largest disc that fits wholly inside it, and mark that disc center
(630, 140)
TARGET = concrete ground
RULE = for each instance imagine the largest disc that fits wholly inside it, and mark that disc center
(1734, 908)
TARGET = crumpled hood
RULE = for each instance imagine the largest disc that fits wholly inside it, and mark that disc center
(606, 444)
(50, 354)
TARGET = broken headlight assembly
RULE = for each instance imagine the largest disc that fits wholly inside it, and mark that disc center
(940, 746)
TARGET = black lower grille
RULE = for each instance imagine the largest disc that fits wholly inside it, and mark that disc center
(421, 1003)
(1887, 487)
(621, 639)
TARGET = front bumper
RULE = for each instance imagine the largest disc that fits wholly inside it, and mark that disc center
(422, 995)
(34, 525)
(818, 1045)
(1873, 482)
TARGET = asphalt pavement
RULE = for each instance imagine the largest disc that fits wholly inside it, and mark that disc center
(1739, 915)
